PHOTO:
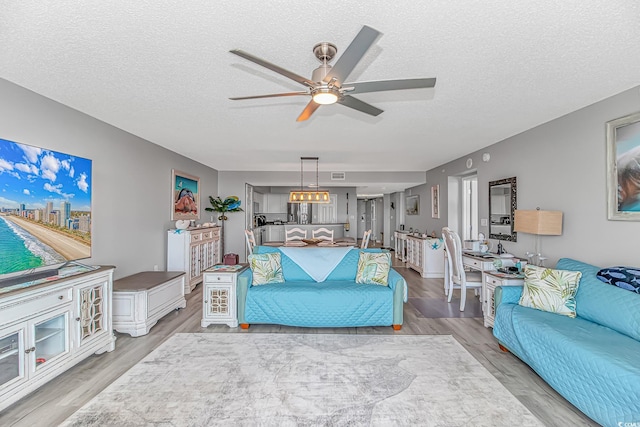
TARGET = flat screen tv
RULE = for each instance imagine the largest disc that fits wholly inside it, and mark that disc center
(45, 209)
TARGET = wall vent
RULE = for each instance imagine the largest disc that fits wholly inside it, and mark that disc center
(338, 176)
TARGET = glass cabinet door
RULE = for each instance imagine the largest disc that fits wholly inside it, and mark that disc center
(10, 357)
(51, 339)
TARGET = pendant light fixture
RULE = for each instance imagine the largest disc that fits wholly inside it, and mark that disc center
(308, 196)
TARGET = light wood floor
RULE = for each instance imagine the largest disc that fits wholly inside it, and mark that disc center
(61, 397)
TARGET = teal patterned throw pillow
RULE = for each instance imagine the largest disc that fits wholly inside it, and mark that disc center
(266, 268)
(373, 268)
(550, 290)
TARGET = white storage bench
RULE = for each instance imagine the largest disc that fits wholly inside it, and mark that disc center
(141, 299)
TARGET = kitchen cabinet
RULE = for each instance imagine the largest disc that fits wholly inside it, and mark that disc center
(193, 251)
(274, 233)
(276, 203)
(257, 234)
(47, 328)
(259, 199)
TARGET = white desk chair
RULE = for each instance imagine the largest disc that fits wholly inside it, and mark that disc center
(251, 240)
(322, 233)
(295, 233)
(458, 277)
(365, 239)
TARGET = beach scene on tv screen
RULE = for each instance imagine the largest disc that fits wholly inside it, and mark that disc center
(45, 207)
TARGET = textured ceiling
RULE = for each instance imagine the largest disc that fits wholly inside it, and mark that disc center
(161, 70)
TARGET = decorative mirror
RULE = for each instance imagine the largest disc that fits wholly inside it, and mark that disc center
(502, 206)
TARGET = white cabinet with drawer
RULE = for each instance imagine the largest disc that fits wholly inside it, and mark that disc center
(219, 303)
(46, 328)
(478, 263)
(491, 280)
(193, 251)
(425, 255)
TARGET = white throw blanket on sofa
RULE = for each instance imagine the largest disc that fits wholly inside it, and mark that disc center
(316, 262)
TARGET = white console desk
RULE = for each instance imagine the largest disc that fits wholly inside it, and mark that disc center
(490, 280)
(473, 262)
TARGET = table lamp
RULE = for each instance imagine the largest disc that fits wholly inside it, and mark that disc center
(539, 223)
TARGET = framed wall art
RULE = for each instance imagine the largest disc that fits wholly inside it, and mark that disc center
(435, 201)
(623, 168)
(412, 205)
(185, 196)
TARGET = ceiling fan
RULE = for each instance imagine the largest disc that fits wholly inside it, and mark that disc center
(328, 84)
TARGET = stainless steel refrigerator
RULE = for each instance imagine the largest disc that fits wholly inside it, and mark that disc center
(300, 213)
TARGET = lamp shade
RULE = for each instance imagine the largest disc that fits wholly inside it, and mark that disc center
(547, 223)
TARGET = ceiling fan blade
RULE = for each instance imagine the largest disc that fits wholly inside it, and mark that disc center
(273, 95)
(353, 54)
(273, 67)
(311, 107)
(381, 85)
(356, 104)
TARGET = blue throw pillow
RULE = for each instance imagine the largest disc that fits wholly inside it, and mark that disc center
(622, 277)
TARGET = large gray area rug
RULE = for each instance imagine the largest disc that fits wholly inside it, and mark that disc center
(307, 380)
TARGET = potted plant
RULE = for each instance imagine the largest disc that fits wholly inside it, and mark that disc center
(230, 204)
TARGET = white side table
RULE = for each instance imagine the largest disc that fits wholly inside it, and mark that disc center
(491, 279)
(219, 305)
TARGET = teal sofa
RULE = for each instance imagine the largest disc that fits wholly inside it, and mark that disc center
(338, 301)
(593, 360)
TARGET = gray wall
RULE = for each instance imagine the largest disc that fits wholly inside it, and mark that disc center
(422, 222)
(559, 165)
(131, 177)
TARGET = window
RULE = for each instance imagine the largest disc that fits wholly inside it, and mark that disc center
(470, 207)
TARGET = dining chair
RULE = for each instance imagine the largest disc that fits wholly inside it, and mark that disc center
(458, 278)
(365, 239)
(295, 233)
(251, 240)
(322, 233)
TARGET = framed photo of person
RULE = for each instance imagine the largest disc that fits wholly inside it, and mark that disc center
(185, 196)
(623, 168)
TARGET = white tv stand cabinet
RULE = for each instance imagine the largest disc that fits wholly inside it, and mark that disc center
(46, 328)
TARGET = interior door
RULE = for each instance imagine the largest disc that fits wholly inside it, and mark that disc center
(328, 212)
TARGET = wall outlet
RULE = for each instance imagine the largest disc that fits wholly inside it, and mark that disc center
(155, 267)
(483, 222)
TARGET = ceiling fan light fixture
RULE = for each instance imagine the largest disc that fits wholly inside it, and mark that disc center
(325, 96)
